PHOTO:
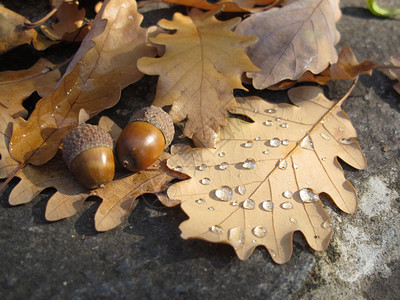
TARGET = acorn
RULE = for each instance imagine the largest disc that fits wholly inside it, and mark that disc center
(88, 152)
(144, 139)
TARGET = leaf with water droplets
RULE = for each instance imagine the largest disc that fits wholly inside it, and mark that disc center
(272, 188)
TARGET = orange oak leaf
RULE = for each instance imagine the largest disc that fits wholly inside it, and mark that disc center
(264, 179)
(13, 34)
(296, 38)
(229, 5)
(104, 64)
(202, 64)
(16, 86)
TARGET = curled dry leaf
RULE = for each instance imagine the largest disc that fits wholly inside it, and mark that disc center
(16, 86)
(70, 25)
(13, 34)
(395, 60)
(202, 64)
(296, 38)
(262, 182)
(229, 5)
(104, 64)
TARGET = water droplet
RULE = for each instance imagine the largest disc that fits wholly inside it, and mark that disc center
(216, 229)
(323, 159)
(284, 125)
(270, 111)
(249, 204)
(200, 201)
(24, 135)
(224, 193)
(259, 231)
(293, 220)
(268, 123)
(211, 208)
(341, 129)
(235, 203)
(287, 194)
(272, 252)
(249, 164)
(278, 119)
(296, 166)
(58, 108)
(223, 166)
(326, 225)
(258, 138)
(267, 205)
(285, 142)
(287, 205)
(255, 110)
(52, 115)
(221, 154)
(248, 144)
(346, 141)
(202, 167)
(254, 241)
(178, 169)
(283, 165)
(241, 189)
(236, 234)
(325, 137)
(275, 142)
(307, 143)
(306, 195)
(205, 181)
(266, 152)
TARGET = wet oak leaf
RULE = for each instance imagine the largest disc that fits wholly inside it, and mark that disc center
(17, 86)
(229, 5)
(293, 39)
(262, 182)
(202, 65)
(104, 64)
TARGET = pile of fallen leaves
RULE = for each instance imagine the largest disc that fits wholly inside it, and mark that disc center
(258, 168)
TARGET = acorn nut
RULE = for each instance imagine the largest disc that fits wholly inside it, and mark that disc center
(143, 140)
(88, 152)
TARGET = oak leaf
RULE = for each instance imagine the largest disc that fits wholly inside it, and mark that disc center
(104, 64)
(296, 38)
(202, 64)
(229, 5)
(262, 182)
(17, 86)
(13, 34)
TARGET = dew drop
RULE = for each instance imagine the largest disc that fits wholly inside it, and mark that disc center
(272, 252)
(255, 110)
(283, 165)
(248, 144)
(287, 194)
(268, 123)
(202, 167)
(52, 115)
(325, 137)
(293, 220)
(307, 143)
(223, 166)
(287, 205)
(249, 204)
(224, 193)
(306, 195)
(267, 205)
(284, 125)
(254, 241)
(278, 119)
(235, 203)
(270, 111)
(323, 159)
(236, 234)
(326, 225)
(275, 142)
(266, 152)
(257, 138)
(216, 229)
(205, 181)
(200, 201)
(58, 108)
(241, 189)
(221, 154)
(285, 142)
(249, 164)
(341, 129)
(178, 169)
(346, 141)
(259, 231)
(211, 208)
(295, 166)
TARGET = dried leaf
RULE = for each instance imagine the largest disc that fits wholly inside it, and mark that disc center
(202, 64)
(261, 183)
(395, 60)
(229, 5)
(16, 86)
(12, 33)
(70, 25)
(291, 43)
(104, 64)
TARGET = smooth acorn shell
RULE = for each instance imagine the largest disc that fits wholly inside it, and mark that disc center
(139, 146)
(94, 167)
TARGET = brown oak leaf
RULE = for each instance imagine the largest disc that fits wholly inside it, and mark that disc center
(229, 5)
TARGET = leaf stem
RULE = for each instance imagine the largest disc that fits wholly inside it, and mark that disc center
(29, 25)
(12, 175)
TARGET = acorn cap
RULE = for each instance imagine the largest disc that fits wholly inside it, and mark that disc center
(158, 117)
(82, 138)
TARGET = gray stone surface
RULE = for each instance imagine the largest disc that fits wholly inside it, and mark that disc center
(146, 258)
